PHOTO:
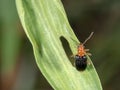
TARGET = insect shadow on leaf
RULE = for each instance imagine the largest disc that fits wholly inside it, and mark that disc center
(67, 49)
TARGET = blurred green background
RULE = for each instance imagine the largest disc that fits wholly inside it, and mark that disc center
(18, 67)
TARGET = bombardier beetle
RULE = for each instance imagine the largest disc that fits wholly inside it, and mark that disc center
(81, 58)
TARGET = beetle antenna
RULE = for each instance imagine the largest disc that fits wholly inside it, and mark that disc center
(88, 38)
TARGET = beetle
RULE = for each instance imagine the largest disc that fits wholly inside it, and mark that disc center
(80, 57)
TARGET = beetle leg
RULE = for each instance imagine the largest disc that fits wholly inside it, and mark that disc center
(86, 50)
(88, 62)
(89, 54)
(72, 56)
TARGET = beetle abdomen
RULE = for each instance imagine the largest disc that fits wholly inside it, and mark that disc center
(80, 62)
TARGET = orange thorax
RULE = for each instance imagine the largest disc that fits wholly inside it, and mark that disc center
(81, 50)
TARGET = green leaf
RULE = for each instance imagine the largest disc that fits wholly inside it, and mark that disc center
(53, 41)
